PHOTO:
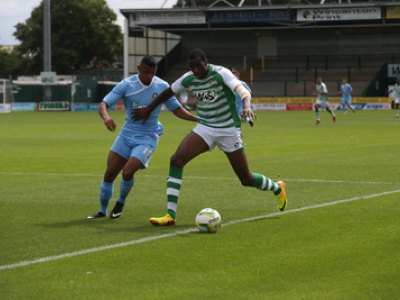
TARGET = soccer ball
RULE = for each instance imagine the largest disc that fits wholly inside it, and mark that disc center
(208, 220)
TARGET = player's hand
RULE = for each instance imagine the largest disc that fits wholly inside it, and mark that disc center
(110, 124)
(141, 113)
(248, 116)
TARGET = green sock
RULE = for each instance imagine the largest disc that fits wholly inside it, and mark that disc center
(265, 184)
(174, 183)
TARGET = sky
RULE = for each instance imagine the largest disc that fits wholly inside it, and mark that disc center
(17, 11)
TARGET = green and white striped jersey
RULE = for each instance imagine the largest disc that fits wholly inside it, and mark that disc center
(215, 97)
(321, 91)
(396, 90)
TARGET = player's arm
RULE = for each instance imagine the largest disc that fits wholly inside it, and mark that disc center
(108, 121)
(246, 99)
(237, 87)
(109, 100)
(184, 114)
(144, 112)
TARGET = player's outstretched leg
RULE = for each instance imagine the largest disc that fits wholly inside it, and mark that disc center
(124, 189)
(264, 183)
(317, 116)
(106, 191)
(332, 114)
(174, 183)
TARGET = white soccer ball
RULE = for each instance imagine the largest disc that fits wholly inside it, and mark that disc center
(208, 220)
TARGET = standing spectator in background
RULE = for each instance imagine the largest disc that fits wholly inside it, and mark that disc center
(345, 91)
(239, 102)
(396, 97)
(322, 101)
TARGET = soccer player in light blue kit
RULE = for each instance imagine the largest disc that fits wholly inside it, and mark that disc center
(239, 102)
(345, 91)
(136, 141)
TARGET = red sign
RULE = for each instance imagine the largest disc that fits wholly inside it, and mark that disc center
(299, 106)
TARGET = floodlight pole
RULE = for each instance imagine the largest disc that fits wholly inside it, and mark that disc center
(47, 45)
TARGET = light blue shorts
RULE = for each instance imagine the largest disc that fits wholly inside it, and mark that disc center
(346, 101)
(138, 146)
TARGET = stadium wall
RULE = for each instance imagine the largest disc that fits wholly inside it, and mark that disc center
(251, 39)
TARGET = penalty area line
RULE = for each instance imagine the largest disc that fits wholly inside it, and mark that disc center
(183, 232)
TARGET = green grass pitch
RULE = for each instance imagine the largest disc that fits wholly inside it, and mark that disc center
(338, 239)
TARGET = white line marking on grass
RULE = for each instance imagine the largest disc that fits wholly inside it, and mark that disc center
(50, 174)
(294, 210)
(203, 177)
(182, 232)
(96, 249)
(339, 181)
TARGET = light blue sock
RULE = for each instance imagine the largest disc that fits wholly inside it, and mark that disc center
(124, 189)
(106, 191)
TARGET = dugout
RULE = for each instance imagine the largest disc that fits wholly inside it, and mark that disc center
(279, 49)
(66, 94)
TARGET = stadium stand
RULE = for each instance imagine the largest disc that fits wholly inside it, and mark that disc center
(280, 49)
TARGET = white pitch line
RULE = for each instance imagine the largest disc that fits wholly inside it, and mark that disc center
(326, 204)
(340, 181)
(92, 250)
(182, 232)
(201, 177)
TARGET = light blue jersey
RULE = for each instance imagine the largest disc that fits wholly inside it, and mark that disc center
(346, 93)
(239, 102)
(138, 139)
(135, 94)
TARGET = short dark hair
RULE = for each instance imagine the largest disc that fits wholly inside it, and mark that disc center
(234, 71)
(149, 61)
(197, 54)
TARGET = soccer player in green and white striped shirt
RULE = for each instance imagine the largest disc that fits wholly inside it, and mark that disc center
(322, 100)
(396, 97)
(218, 125)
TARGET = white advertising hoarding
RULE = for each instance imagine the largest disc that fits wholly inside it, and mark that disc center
(339, 14)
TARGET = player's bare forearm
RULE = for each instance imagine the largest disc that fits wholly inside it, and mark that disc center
(144, 112)
(164, 96)
(108, 121)
(182, 113)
